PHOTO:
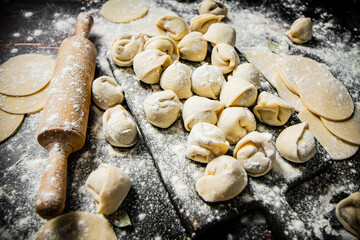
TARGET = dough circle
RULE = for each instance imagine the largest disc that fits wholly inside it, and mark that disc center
(25, 74)
(9, 123)
(124, 11)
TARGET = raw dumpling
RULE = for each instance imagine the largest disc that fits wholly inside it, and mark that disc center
(164, 44)
(221, 33)
(124, 48)
(193, 47)
(201, 23)
(272, 110)
(200, 109)
(149, 64)
(108, 185)
(207, 81)
(162, 108)
(236, 122)
(119, 128)
(173, 26)
(238, 93)
(348, 213)
(106, 92)
(177, 77)
(213, 7)
(205, 142)
(224, 179)
(225, 57)
(256, 153)
(248, 72)
(296, 143)
(300, 31)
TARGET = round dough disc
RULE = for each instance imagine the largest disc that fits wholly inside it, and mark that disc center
(77, 225)
(124, 11)
(325, 96)
(25, 74)
(9, 123)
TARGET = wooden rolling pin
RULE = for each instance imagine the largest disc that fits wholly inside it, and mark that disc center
(64, 119)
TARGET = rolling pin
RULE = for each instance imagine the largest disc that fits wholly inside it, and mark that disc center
(64, 119)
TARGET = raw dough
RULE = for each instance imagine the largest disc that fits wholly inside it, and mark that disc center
(325, 96)
(177, 77)
(300, 31)
(200, 109)
(108, 186)
(207, 81)
(221, 33)
(124, 48)
(119, 128)
(256, 153)
(201, 23)
(238, 93)
(106, 92)
(25, 74)
(337, 148)
(164, 44)
(213, 7)
(236, 122)
(224, 179)
(272, 110)
(76, 226)
(124, 11)
(148, 65)
(162, 108)
(173, 26)
(296, 143)
(225, 57)
(205, 142)
(248, 72)
(348, 213)
(193, 47)
(9, 124)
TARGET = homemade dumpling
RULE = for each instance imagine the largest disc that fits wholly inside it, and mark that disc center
(149, 64)
(221, 33)
(202, 22)
(205, 142)
(207, 81)
(238, 93)
(177, 77)
(124, 48)
(236, 122)
(119, 127)
(108, 185)
(106, 92)
(173, 26)
(200, 109)
(296, 143)
(225, 57)
(248, 72)
(256, 153)
(162, 108)
(193, 47)
(213, 7)
(300, 31)
(224, 179)
(348, 213)
(272, 110)
(164, 44)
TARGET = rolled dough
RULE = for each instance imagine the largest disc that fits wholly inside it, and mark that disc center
(9, 123)
(124, 11)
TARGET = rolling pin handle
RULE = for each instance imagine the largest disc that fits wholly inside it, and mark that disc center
(84, 23)
(50, 201)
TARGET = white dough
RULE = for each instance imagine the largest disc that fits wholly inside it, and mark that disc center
(124, 11)
(221, 33)
(193, 47)
(225, 57)
(213, 7)
(348, 213)
(9, 123)
(124, 48)
(248, 72)
(164, 44)
(173, 26)
(238, 93)
(202, 22)
(106, 92)
(300, 31)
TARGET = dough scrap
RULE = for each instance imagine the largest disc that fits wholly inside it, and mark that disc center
(300, 31)
(224, 179)
(164, 44)
(124, 48)
(205, 142)
(108, 186)
(119, 128)
(236, 122)
(238, 92)
(202, 22)
(337, 148)
(124, 11)
(173, 26)
(296, 143)
(162, 108)
(106, 92)
(348, 213)
(193, 47)
(213, 7)
(248, 72)
(9, 124)
(221, 33)
(225, 57)
(25, 74)
(76, 226)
